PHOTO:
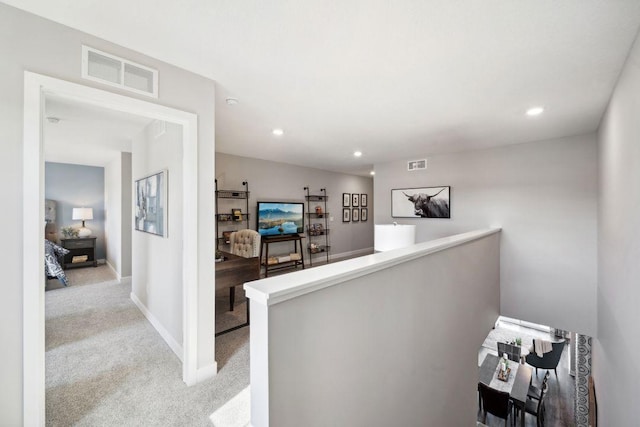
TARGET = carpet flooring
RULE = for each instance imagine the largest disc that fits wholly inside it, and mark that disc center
(106, 365)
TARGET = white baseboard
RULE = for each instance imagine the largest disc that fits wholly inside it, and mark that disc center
(340, 256)
(207, 372)
(113, 269)
(166, 336)
(351, 254)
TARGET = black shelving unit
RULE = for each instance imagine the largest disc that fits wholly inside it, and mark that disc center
(317, 224)
(228, 222)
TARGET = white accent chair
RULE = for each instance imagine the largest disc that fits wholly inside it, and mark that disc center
(245, 243)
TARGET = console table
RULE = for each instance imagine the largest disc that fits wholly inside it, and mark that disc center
(264, 249)
(77, 247)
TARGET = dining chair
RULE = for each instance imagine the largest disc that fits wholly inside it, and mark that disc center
(536, 408)
(495, 402)
(535, 392)
(548, 360)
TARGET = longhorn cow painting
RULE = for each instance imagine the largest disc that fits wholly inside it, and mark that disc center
(426, 202)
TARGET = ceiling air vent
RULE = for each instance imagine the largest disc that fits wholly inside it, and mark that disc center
(114, 71)
(417, 165)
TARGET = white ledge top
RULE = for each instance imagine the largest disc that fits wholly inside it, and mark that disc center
(274, 290)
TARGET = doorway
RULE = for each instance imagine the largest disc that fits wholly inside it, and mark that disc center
(37, 87)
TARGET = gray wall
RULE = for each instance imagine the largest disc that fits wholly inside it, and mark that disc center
(544, 196)
(157, 263)
(77, 186)
(381, 349)
(615, 369)
(273, 181)
(31, 43)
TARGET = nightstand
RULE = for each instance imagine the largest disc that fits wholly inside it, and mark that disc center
(78, 247)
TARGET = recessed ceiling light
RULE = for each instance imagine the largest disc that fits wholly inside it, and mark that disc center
(372, 173)
(357, 153)
(232, 101)
(278, 132)
(535, 111)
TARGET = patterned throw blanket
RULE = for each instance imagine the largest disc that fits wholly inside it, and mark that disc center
(52, 267)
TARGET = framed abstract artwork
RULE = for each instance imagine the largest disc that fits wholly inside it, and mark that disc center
(151, 204)
(364, 213)
(355, 200)
(424, 202)
(363, 200)
(355, 215)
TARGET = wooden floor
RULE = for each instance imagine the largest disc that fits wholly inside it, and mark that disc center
(559, 401)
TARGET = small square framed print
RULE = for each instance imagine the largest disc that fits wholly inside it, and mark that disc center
(355, 200)
(355, 215)
(346, 215)
(363, 200)
(364, 214)
(346, 200)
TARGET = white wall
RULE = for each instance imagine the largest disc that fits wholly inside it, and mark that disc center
(117, 187)
(126, 217)
(31, 43)
(544, 196)
(395, 345)
(273, 181)
(157, 261)
(113, 213)
(614, 351)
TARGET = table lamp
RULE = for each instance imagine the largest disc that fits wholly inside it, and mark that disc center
(83, 214)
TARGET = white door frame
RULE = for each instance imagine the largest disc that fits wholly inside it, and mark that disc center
(36, 87)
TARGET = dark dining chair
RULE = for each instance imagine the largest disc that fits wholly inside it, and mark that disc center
(495, 402)
(535, 392)
(548, 360)
(536, 408)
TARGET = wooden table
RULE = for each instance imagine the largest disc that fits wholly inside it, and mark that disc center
(233, 271)
(521, 383)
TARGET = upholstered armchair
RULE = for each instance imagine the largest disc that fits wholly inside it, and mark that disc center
(245, 243)
(548, 360)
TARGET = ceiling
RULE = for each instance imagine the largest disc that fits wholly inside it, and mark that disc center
(395, 80)
(86, 134)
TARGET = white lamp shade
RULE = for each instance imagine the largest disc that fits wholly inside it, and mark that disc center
(82, 214)
(394, 236)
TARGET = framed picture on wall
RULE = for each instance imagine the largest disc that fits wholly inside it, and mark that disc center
(355, 200)
(424, 202)
(150, 204)
(346, 215)
(346, 200)
(363, 214)
(355, 215)
(363, 200)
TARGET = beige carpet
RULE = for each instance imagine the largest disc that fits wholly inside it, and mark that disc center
(106, 365)
(84, 276)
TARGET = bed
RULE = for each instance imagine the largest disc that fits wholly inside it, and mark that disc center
(52, 267)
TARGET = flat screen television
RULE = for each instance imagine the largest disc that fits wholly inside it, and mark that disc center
(280, 218)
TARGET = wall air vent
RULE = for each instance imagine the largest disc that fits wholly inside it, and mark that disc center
(417, 165)
(118, 72)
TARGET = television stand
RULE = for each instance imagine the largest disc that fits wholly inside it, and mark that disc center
(264, 250)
